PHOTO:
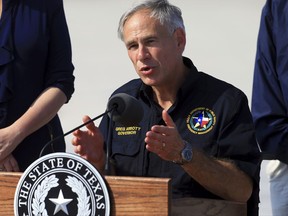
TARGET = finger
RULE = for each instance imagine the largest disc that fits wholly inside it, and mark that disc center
(91, 126)
(7, 166)
(77, 149)
(13, 165)
(76, 132)
(154, 141)
(16, 167)
(155, 136)
(75, 140)
(164, 129)
(167, 119)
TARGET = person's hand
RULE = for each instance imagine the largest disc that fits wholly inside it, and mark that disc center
(89, 144)
(8, 142)
(165, 141)
(9, 164)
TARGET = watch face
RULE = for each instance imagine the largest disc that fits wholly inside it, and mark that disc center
(187, 155)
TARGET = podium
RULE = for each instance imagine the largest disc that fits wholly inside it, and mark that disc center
(132, 196)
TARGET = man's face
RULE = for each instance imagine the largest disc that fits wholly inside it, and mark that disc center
(154, 52)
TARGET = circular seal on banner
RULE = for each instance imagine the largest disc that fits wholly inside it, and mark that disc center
(201, 120)
(61, 184)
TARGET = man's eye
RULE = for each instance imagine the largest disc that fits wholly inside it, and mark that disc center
(150, 41)
(132, 47)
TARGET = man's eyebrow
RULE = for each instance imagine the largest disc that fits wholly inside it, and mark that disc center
(145, 38)
(129, 43)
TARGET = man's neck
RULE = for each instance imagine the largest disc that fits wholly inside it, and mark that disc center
(166, 95)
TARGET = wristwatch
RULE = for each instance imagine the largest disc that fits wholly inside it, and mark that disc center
(186, 154)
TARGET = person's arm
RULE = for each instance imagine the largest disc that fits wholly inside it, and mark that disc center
(40, 112)
(220, 177)
(270, 88)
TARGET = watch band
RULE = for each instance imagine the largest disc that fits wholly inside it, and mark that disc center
(186, 154)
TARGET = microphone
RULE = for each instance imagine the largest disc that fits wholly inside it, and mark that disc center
(121, 108)
(128, 112)
(128, 109)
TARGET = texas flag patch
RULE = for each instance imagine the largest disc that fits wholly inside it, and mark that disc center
(201, 120)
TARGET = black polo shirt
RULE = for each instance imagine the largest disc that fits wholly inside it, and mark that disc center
(210, 114)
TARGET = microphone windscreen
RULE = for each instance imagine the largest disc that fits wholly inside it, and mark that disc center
(127, 109)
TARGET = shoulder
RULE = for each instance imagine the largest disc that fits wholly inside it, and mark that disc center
(275, 8)
(214, 84)
(220, 90)
(132, 87)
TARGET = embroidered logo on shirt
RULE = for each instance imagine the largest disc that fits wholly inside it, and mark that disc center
(126, 131)
(201, 120)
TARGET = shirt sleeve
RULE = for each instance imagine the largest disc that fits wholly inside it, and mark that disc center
(60, 67)
(270, 83)
(237, 141)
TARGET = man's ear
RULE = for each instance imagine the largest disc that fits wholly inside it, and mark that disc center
(180, 37)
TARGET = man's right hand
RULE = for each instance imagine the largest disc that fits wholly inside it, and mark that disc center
(89, 144)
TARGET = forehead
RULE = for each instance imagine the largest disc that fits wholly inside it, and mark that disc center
(141, 23)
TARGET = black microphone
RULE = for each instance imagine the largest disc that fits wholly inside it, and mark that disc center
(121, 108)
(128, 110)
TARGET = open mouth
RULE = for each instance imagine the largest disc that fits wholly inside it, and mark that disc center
(146, 70)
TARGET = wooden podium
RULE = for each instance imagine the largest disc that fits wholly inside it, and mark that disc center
(132, 196)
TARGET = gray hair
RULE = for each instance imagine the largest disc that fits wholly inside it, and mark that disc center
(162, 10)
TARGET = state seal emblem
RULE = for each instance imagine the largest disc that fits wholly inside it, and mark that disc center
(61, 184)
(201, 120)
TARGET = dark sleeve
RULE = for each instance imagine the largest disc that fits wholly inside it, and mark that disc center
(237, 140)
(270, 83)
(60, 67)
